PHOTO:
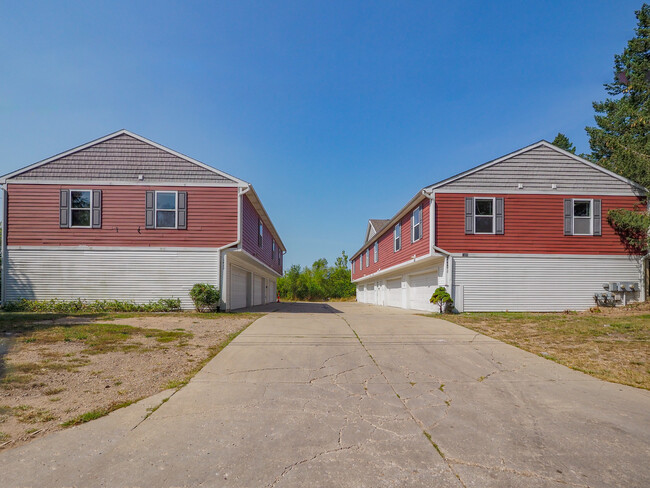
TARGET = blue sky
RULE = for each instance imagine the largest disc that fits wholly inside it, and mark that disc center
(336, 111)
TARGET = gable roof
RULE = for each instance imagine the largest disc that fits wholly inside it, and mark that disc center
(374, 226)
(123, 157)
(538, 155)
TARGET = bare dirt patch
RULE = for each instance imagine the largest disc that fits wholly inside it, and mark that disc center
(612, 344)
(68, 370)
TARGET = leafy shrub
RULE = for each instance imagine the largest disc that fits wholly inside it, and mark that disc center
(442, 298)
(79, 305)
(206, 297)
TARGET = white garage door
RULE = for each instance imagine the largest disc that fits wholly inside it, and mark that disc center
(394, 293)
(421, 288)
(361, 294)
(272, 291)
(238, 287)
(371, 297)
(258, 287)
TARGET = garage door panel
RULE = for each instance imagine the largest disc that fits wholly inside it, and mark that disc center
(258, 287)
(394, 293)
(421, 287)
(238, 287)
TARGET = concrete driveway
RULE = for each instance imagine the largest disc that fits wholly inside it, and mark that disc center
(352, 395)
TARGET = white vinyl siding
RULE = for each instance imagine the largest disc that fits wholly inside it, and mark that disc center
(538, 283)
(136, 274)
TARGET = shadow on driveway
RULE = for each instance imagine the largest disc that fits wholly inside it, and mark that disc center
(292, 307)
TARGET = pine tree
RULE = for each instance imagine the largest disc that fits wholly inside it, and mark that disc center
(563, 142)
(621, 140)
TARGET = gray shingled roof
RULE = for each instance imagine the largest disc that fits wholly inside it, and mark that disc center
(379, 224)
(122, 158)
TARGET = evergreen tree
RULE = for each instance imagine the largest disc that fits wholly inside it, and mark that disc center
(621, 140)
(563, 142)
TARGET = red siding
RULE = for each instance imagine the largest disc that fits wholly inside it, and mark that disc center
(249, 238)
(534, 224)
(387, 257)
(33, 218)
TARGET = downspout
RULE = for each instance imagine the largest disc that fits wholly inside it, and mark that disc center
(447, 276)
(223, 254)
(3, 270)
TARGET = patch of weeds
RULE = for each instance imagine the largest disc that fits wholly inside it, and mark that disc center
(481, 378)
(4, 437)
(175, 384)
(97, 413)
(29, 339)
(430, 439)
(53, 391)
(29, 415)
(117, 383)
(31, 431)
(12, 380)
(55, 399)
(448, 403)
(442, 387)
(412, 383)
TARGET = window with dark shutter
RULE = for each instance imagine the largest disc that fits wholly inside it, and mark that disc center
(499, 221)
(80, 208)
(598, 217)
(150, 221)
(469, 215)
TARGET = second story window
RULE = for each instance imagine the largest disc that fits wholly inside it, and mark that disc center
(272, 249)
(582, 217)
(80, 208)
(397, 237)
(416, 224)
(376, 253)
(484, 215)
(260, 232)
(360, 262)
(166, 209)
(367, 257)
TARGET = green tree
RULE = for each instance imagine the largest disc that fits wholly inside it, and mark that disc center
(563, 142)
(621, 139)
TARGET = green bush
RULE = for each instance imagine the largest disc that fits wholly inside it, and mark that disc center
(79, 305)
(206, 297)
(442, 298)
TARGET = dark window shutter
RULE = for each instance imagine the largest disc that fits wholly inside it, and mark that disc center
(64, 209)
(469, 215)
(597, 217)
(182, 210)
(97, 209)
(499, 215)
(568, 217)
(150, 220)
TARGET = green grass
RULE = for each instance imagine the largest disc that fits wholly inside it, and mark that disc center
(97, 413)
(611, 344)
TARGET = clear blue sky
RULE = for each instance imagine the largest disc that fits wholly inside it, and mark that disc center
(336, 111)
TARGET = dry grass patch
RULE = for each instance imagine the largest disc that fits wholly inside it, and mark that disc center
(58, 370)
(610, 344)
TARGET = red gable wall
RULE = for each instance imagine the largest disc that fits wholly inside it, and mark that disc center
(33, 218)
(534, 224)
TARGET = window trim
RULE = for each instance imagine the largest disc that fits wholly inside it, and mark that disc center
(367, 257)
(361, 262)
(260, 233)
(90, 210)
(397, 238)
(591, 216)
(155, 209)
(494, 215)
(375, 252)
(419, 224)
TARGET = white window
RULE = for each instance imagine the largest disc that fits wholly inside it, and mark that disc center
(583, 224)
(360, 262)
(80, 208)
(367, 257)
(484, 215)
(272, 249)
(166, 206)
(260, 232)
(397, 237)
(416, 223)
(376, 252)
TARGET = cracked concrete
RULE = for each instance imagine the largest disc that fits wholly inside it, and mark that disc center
(342, 395)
